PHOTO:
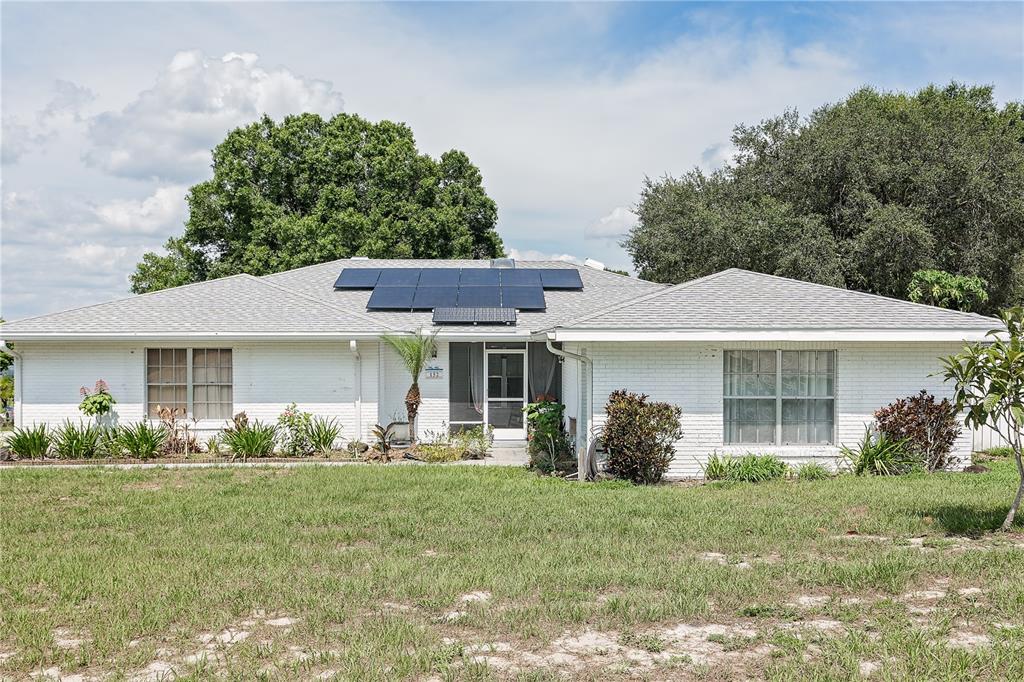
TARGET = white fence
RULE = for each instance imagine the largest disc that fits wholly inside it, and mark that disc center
(987, 437)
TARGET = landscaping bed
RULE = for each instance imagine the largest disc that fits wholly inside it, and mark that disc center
(472, 573)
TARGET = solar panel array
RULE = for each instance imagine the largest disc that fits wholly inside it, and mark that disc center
(455, 288)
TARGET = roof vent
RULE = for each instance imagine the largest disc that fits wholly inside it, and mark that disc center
(359, 258)
(503, 263)
(596, 264)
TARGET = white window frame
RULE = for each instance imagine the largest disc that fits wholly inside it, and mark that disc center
(779, 398)
(189, 386)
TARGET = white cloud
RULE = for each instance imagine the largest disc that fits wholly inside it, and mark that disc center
(612, 226)
(18, 139)
(61, 252)
(532, 254)
(21, 136)
(167, 132)
(161, 213)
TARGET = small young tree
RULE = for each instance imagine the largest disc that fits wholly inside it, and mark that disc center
(989, 385)
(415, 352)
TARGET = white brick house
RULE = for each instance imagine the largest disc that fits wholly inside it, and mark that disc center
(757, 363)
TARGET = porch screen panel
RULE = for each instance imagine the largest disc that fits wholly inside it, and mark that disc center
(465, 384)
(749, 396)
(212, 394)
(166, 380)
(545, 373)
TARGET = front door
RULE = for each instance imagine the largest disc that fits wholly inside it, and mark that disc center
(506, 393)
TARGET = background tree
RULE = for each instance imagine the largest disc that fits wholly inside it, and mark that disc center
(861, 194)
(942, 289)
(415, 352)
(988, 383)
(308, 190)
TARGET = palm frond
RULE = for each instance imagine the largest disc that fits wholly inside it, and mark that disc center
(415, 351)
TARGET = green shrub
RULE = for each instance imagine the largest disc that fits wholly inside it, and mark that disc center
(556, 454)
(543, 423)
(254, 439)
(640, 436)
(142, 440)
(928, 427)
(76, 441)
(1000, 451)
(30, 442)
(323, 433)
(746, 469)
(812, 471)
(880, 455)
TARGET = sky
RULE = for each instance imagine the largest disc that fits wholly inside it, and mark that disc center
(109, 111)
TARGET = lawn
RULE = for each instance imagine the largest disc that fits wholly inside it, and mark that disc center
(392, 572)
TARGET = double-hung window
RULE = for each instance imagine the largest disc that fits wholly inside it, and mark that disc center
(779, 397)
(191, 381)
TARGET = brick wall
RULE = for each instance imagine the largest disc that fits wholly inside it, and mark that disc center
(868, 376)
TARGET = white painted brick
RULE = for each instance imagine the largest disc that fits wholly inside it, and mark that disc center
(868, 376)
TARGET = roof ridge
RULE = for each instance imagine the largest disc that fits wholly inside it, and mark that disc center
(867, 294)
(322, 302)
(642, 298)
(133, 297)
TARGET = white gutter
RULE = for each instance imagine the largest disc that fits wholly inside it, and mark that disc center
(353, 348)
(844, 335)
(19, 370)
(588, 376)
(191, 336)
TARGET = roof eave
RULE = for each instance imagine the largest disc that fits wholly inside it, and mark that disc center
(794, 334)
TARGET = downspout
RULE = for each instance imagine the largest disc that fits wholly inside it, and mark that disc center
(353, 347)
(587, 367)
(19, 371)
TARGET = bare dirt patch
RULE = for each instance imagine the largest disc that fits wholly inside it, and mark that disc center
(65, 638)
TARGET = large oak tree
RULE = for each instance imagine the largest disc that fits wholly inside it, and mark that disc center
(861, 194)
(308, 190)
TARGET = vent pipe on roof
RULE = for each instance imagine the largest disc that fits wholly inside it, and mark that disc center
(596, 264)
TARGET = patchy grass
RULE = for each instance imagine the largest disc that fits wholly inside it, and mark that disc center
(481, 573)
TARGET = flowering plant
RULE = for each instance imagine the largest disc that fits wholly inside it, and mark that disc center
(97, 402)
(294, 426)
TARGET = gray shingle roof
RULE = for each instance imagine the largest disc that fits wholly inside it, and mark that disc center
(742, 300)
(600, 289)
(240, 304)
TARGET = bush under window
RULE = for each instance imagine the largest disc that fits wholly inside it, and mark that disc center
(639, 436)
(927, 427)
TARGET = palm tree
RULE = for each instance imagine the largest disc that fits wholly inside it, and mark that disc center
(415, 352)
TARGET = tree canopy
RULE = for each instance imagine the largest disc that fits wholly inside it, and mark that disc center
(861, 194)
(308, 190)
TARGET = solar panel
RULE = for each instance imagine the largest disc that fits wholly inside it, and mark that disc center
(479, 277)
(435, 297)
(563, 278)
(479, 297)
(524, 298)
(440, 277)
(391, 298)
(474, 316)
(357, 278)
(399, 277)
(520, 278)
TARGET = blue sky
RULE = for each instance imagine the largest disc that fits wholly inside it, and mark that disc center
(109, 110)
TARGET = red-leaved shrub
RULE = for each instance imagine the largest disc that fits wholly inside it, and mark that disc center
(928, 427)
(639, 436)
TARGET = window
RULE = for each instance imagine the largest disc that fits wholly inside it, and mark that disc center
(197, 382)
(776, 397)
